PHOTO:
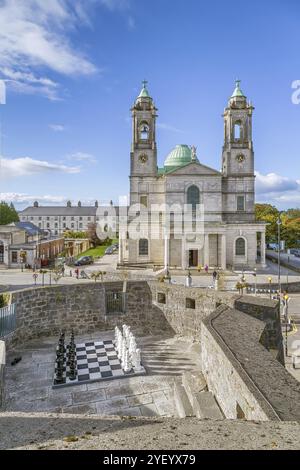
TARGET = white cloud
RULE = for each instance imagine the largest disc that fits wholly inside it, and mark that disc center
(57, 127)
(81, 156)
(37, 35)
(274, 183)
(25, 166)
(21, 198)
(279, 190)
(34, 33)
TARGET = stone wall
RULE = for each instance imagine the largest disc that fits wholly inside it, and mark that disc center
(45, 311)
(183, 320)
(247, 381)
(2, 366)
(267, 311)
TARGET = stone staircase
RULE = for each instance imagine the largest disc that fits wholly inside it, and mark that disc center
(193, 399)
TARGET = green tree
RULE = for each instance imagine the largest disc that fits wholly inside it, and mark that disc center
(269, 214)
(8, 213)
(72, 234)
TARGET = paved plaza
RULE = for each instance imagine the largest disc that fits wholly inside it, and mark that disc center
(29, 383)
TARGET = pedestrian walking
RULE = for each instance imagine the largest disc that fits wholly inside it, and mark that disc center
(206, 269)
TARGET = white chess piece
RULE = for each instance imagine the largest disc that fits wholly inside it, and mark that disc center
(127, 364)
(137, 363)
(120, 347)
(123, 353)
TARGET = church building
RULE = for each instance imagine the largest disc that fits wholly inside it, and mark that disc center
(229, 235)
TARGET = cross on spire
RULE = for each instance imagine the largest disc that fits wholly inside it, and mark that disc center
(144, 82)
(237, 83)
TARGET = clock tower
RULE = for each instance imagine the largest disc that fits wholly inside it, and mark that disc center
(238, 160)
(238, 155)
(143, 155)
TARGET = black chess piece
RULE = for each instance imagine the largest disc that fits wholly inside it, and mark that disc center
(59, 379)
(73, 371)
(16, 360)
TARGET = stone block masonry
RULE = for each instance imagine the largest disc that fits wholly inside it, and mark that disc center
(45, 311)
(2, 366)
(246, 379)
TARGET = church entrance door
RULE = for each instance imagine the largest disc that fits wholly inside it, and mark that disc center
(193, 258)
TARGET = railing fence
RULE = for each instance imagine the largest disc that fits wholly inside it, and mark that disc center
(7, 320)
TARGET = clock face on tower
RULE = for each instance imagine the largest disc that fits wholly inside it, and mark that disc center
(240, 158)
(143, 158)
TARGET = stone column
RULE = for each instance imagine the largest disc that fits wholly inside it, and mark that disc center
(167, 251)
(206, 249)
(183, 255)
(263, 249)
(120, 250)
(223, 252)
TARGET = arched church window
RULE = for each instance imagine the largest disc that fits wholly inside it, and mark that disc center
(144, 131)
(193, 196)
(143, 247)
(240, 247)
(238, 130)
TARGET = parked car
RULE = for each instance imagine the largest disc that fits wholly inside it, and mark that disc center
(110, 250)
(84, 260)
(295, 251)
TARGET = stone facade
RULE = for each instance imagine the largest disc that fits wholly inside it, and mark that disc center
(227, 234)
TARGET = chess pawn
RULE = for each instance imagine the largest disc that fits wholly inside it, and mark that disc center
(125, 331)
(73, 371)
(124, 349)
(137, 361)
(116, 335)
(120, 344)
(127, 364)
(119, 341)
(58, 379)
(132, 345)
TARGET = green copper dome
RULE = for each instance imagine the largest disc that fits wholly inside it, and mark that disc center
(179, 156)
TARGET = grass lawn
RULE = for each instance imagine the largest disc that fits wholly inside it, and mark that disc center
(96, 252)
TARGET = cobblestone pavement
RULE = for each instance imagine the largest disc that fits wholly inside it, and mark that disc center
(29, 383)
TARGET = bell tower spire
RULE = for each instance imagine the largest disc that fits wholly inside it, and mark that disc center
(238, 155)
(143, 147)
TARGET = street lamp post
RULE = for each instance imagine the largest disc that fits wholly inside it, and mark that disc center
(286, 303)
(270, 283)
(255, 281)
(279, 270)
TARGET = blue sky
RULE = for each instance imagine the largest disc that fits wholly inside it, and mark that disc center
(74, 67)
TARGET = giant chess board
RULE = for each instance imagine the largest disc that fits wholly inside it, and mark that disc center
(96, 360)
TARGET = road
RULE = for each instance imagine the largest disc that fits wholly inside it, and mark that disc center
(292, 260)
